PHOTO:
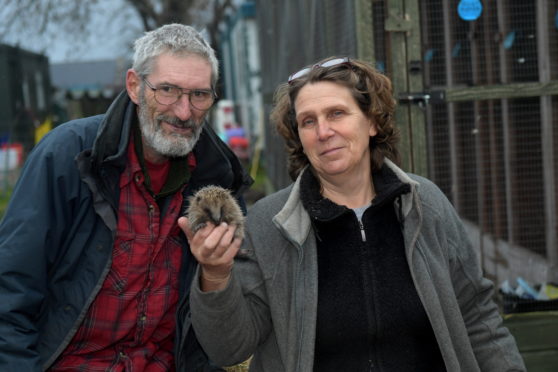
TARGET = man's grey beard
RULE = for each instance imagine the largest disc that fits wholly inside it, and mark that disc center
(169, 145)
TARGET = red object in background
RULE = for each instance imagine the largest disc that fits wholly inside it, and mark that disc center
(240, 146)
(238, 142)
(11, 156)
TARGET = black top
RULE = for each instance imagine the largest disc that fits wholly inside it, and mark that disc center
(370, 317)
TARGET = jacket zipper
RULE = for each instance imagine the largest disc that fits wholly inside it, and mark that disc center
(362, 232)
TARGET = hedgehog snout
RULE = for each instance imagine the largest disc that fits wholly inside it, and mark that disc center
(214, 216)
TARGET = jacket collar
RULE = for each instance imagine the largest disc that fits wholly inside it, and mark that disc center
(113, 135)
(295, 223)
(293, 220)
(101, 165)
(406, 199)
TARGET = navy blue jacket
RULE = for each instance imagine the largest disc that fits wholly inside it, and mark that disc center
(57, 235)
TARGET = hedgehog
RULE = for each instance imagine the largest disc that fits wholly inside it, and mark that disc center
(214, 204)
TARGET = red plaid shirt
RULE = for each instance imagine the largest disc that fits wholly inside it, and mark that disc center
(130, 325)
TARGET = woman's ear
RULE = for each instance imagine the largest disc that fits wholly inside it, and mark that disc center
(373, 128)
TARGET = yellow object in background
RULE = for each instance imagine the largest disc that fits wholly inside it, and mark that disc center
(242, 367)
(551, 291)
(43, 129)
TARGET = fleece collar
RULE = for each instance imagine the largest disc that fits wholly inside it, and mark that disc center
(386, 184)
(293, 220)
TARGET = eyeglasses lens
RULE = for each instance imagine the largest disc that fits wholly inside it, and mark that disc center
(199, 99)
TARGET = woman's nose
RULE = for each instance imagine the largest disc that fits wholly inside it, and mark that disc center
(323, 129)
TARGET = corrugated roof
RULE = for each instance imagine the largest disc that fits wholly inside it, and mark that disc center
(89, 76)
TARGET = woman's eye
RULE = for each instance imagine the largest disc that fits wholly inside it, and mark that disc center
(337, 113)
(307, 122)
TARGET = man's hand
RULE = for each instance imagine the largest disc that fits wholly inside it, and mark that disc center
(215, 248)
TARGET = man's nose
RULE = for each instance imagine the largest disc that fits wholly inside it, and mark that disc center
(182, 108)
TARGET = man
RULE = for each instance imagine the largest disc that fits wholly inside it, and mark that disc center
(94, 270)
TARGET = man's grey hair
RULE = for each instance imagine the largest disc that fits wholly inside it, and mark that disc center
(175, 39)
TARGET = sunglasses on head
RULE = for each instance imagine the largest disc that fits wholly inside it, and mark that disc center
(330, 63)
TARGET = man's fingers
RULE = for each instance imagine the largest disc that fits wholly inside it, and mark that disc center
(221, 266)
(224, 242)
(209, 242)
(185, 226)
(215, 237)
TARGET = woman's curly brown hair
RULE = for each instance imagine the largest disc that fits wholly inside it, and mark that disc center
(373, 93)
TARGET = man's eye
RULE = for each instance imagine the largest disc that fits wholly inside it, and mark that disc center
(200, 94)
(168, 90)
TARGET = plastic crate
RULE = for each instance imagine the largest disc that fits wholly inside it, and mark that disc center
(514, 304)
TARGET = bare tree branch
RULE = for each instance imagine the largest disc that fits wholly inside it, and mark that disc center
(219, 11)
(73, 18)
(147, 13)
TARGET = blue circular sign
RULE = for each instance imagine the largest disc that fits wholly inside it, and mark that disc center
(469, 10)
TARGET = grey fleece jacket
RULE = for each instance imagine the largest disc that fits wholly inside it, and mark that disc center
(269, 307)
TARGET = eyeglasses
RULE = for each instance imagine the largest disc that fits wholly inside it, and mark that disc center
(200, 99)
(330, 63)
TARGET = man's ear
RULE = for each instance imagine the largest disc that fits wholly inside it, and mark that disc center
(133, 85)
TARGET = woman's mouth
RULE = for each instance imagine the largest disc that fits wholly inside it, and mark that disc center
(330, 151)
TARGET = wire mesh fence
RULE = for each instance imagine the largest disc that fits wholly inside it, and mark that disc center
(495, 173)
(490, 142)
(294, 34)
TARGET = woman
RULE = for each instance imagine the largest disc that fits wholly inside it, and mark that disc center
(357, 266)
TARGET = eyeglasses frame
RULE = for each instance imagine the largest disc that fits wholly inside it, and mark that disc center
(328, 63)
(182, 92)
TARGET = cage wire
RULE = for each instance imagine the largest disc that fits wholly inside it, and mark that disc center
(293, 35)
(493, 157)
(494, 174)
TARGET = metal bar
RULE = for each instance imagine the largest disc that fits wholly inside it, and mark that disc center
(547, 134)
(502, 91)
(503, 68)
(455, 194)
(429, 117)
(491, 151)
(475, 62)
(397, 68)
(415, 82)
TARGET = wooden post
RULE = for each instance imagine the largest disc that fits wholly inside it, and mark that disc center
(403, 26)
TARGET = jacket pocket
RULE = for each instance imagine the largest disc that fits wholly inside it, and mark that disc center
(117, 278)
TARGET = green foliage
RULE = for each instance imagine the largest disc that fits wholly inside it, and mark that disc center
(260, 180)
(259, 188)
(4, 199)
